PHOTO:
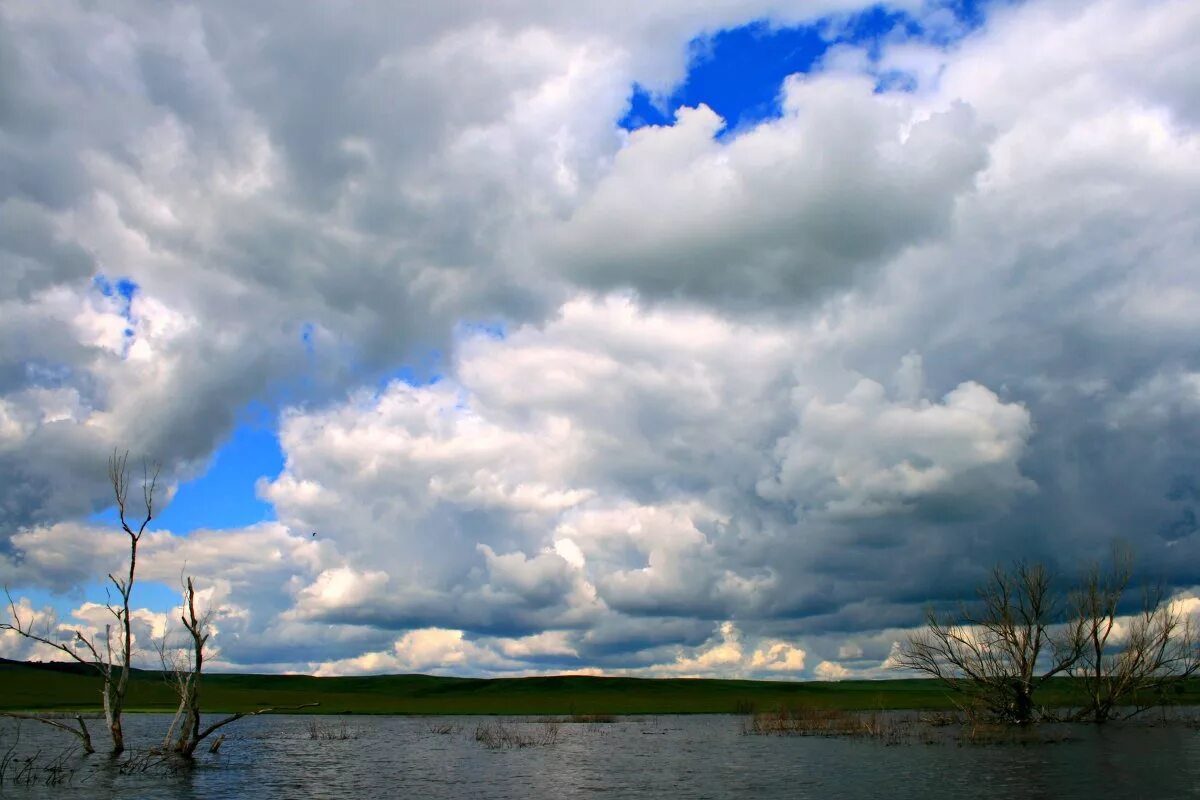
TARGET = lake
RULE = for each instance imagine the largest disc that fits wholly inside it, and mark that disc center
(704, 756)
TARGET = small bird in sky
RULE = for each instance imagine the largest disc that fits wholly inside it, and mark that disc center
(314, 533)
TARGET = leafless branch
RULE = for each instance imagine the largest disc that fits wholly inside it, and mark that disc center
(1158, 647)
(234, 717)
(85, 738)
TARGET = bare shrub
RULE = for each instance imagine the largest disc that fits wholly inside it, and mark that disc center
(497, 735)
(995, 656)
(1131, 662)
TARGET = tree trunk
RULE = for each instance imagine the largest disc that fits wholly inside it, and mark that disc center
(84, 736)
(166, 744)
(1023, 710)
(112, 716)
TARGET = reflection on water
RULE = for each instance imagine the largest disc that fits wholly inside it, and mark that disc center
(692, 756)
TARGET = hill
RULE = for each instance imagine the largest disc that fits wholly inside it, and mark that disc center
(62, 687)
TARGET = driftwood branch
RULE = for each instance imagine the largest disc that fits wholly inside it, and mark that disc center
(235, 717)
(82, 734)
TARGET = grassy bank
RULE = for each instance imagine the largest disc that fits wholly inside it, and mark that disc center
(62, 687)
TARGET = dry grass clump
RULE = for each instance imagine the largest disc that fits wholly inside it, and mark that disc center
(140, 762)
(999, 733)
(941, 719)
(938, 728)
(593, 718)
(496, 735)
(584, 719)
(331, 731)
(806, 721)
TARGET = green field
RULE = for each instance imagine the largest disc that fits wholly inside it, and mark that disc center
(62, 687)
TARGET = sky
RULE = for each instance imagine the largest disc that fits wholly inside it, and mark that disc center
(687, 338)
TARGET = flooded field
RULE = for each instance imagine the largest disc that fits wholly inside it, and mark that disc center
(705, 756)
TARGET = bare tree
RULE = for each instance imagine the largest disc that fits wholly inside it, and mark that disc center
(1130, 662)
(180, 670)
(185, 678)
(113, 664)
(114, 690)
(998, 654)
(111, 655)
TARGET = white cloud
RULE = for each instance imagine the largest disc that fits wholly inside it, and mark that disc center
(778, 657)
(435, 650)
(843, 181)
(870, 455)
(830, 671)
(725, 654)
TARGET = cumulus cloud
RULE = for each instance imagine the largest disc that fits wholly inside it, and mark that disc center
(845, 179)
(830, 671)
(869, 455)
(727, 654)
(43, 622)
(276, 234)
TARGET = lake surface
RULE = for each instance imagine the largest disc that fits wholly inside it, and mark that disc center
(636, 757)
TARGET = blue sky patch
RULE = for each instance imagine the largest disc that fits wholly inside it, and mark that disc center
(224, 496)
(151, 595)
(739, 72)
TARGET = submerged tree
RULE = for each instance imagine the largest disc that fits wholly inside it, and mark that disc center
(1128, 661)
(111, 654)
(184, 672)
(998, 654)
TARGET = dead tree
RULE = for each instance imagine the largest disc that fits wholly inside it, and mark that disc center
(181, 668)
(112, 663)
(998, 654)
(186, 680)
(1128, 662)
(189, 686)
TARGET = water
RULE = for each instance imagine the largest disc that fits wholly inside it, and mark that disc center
(636, 757)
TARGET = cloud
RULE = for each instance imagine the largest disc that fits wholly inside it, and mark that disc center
(42, 622)
(288, 220)
(559, 508)
(702, 399)
(782, 212)
(830, 671)
(867, 455)
(725, 654)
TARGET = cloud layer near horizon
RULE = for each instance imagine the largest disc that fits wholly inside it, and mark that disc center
(708, 404)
